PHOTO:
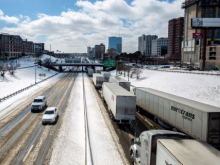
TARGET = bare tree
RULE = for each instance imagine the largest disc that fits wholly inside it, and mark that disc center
(11, 68)
(133, 71)
(3, 69)
(128, 70)
(138, 72)
(119, 69)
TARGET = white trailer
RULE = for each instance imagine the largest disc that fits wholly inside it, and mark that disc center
(121, 103)
(122, 82)
(106, 75)
(90, 72)
(98, 80)
(186, 152)
(198, 120)
(97, 71)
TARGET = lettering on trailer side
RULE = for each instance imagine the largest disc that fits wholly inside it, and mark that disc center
(186, 115)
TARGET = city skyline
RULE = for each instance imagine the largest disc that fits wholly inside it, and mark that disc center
(73, 26)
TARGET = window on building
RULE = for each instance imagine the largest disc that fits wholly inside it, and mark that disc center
(218, 33)
(218, 13)
(209, 33)
(208, 13)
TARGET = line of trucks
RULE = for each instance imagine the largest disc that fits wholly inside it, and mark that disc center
(197, 120)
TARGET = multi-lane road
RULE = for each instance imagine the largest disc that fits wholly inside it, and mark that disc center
(24, 140)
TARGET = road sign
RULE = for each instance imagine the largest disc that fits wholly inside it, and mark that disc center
(197, 35)
(109, 63)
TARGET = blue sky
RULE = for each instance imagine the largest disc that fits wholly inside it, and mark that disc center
(72, 25)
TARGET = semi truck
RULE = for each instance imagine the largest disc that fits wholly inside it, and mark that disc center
(196, 119)
(121, 103)
(98, 80)
(122, 82)
(157, 147)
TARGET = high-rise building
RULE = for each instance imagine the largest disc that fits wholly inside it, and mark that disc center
(175, 35)
(90, 51)
(145, 44)
(193, 48)
(99, 51)
(158, 45)
(115, 43)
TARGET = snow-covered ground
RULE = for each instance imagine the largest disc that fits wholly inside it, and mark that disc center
(202, 88)
(53, 59)
(23, 77)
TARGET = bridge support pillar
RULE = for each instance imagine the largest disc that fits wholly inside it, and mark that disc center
(60, 68)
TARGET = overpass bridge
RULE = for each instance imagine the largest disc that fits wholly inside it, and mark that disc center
(61, 65)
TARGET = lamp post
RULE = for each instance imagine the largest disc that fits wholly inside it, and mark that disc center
(35, 67)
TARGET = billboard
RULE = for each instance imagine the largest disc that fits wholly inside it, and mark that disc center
(197, 35)
(205, 22)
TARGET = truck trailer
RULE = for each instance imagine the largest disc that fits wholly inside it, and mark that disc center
(106, 75)
(90, 72)
(198, 120)
(157, 147)
(122, 82)
(121, 103)
(98, 80)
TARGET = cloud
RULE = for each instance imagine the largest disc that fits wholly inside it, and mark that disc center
(73, 31)
(8, 19)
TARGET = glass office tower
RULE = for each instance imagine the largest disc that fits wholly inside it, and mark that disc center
(115, 43)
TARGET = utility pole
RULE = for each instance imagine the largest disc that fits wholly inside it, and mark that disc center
(204, 50)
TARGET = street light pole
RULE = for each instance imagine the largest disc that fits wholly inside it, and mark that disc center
(35, 68)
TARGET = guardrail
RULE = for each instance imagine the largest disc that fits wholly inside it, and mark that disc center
(21, 90)
(25, 67)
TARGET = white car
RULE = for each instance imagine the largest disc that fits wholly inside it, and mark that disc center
(50, 115)
(39, 103)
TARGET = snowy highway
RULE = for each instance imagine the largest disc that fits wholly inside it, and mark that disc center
(24, 140)
(22, 132)
(69, 144)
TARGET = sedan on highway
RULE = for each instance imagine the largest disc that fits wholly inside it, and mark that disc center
(50, 115)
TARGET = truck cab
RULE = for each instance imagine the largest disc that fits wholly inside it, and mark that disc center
(143, 149)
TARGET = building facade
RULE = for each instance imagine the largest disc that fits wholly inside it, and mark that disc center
(115, 43)
(158, 45)
(38, 48)
(99, 51)
(28, 48)
(10, 46)
(90, 51)
(175, 35)
(13, 46)
(193, 48)
(145, 44)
